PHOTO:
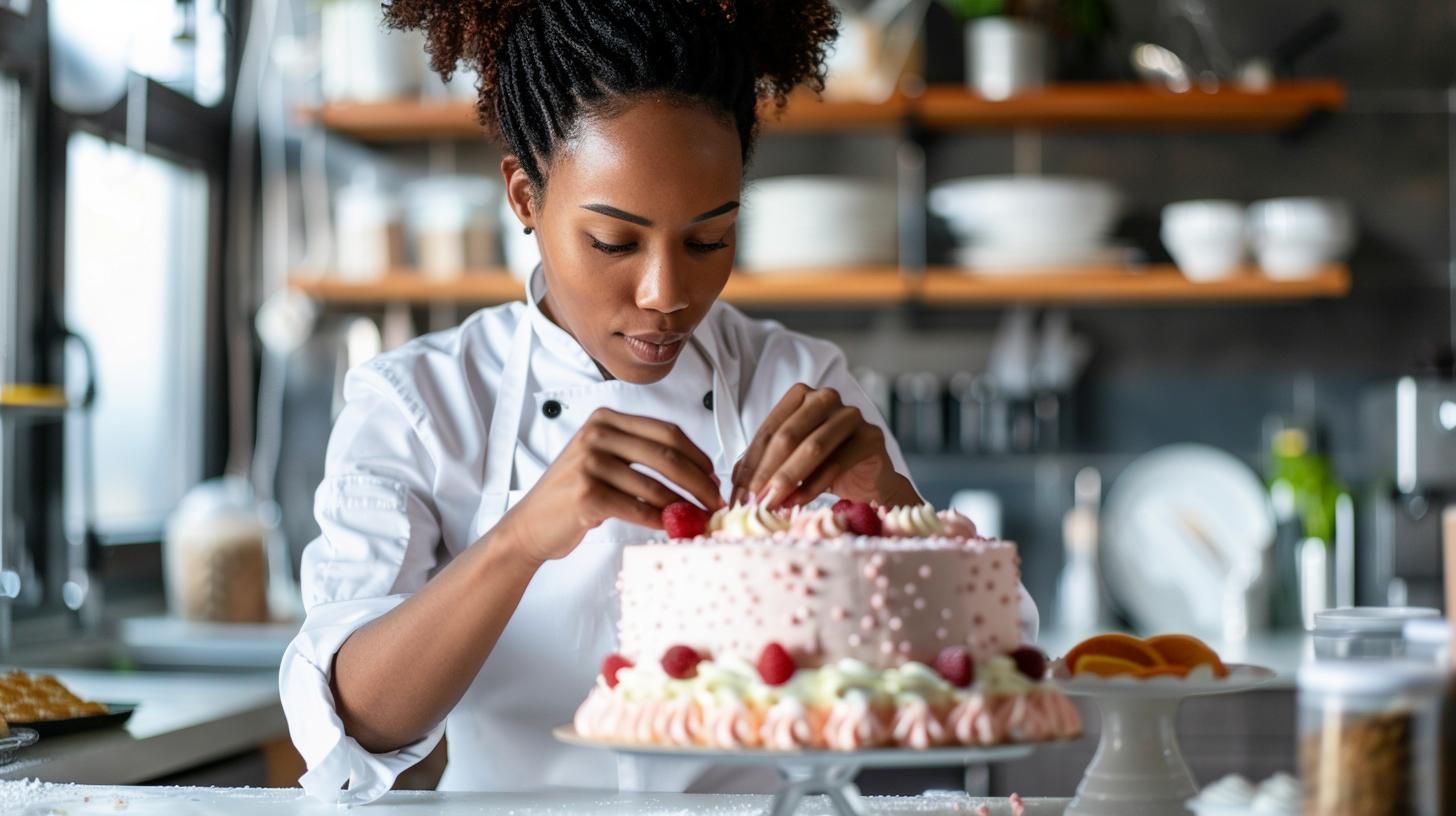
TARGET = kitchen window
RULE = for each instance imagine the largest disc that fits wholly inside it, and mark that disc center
(10, 192)
(136, 275)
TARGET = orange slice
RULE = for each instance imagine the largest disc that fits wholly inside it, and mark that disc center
(1120, 646)
(1186, 650)
(1164, 671)
(1105, 666)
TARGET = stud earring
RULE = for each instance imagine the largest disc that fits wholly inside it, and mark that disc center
(528, 230)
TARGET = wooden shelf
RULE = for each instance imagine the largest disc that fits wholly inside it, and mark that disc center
(485, 286)
(945, 107)
(1130, 106)
(948, 286)
(880, 286)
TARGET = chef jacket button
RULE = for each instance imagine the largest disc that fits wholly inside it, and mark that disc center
(708, 400)
(551, 408)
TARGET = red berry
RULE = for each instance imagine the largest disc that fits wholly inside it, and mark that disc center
(613, 664)
(684, 520)
(955, 665)
(841, 506)
(862, 519)
(681, 662)
(1030, 661)
(776, 665)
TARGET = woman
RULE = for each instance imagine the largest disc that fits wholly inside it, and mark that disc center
(481, 481)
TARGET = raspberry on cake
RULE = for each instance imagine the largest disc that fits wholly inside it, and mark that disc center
(789, 630)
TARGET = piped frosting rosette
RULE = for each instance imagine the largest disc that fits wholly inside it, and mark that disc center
(845, 518)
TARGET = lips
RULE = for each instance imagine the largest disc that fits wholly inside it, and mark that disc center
(655, 348)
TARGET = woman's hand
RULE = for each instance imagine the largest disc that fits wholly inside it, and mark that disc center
(592, 481)
(811, 443)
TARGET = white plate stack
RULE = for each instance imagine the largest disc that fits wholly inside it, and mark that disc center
(816, 224)
(1020, 225)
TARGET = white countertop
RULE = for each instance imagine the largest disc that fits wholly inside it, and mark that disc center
(74, 800)
(181, 721)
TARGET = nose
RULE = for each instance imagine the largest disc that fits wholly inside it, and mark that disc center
(661, 288)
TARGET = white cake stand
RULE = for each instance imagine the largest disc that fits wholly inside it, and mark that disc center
(810, 773)
(1138, 769)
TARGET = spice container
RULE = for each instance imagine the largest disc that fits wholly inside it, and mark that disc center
(1365, 632)
(1370, 734)
(453, 222)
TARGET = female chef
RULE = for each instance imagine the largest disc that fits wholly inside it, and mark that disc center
(479, 483)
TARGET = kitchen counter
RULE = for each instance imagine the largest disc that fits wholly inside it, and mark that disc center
(75, 800)
(181, 721)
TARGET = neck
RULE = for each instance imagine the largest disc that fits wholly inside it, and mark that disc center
(545, 305)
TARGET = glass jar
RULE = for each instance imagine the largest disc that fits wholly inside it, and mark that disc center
(1365, 632)
(1370, 738)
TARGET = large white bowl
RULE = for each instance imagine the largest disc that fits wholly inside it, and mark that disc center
(816, 222)
(1002, 210)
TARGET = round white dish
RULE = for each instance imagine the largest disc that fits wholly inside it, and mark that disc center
(1205, 238)
(1028, 210)
(1294, 237)
(1206, 516)
(807, 222)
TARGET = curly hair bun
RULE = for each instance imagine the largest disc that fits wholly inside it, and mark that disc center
(543, 62)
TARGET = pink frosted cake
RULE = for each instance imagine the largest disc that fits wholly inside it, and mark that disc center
(836, 628)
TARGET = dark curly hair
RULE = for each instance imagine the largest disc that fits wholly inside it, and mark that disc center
(543, 64)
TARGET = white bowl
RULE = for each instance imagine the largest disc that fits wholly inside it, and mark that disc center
(1205, 238)
(1001, 210)
(1293, 237)
(815, 222)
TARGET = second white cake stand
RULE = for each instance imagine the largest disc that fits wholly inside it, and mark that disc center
(1138, 769)
(812, 773)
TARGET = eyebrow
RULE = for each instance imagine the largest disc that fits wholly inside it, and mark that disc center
(609, 210)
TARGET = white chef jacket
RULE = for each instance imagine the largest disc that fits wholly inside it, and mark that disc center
(436, 440)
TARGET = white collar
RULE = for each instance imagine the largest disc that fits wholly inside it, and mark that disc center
(554, 338)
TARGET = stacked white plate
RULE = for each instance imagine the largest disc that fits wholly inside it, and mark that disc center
(1026, 224)
(816, 223)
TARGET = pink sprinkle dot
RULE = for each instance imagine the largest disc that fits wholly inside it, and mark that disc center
(821, 573)
(882, 581)
(941, 633)
(870, 570)
(910, 589)
(945, 614)
(975, 570)
(990, 586)
(979, 620)
(924, 570)
(1005, 600)
(794, 620)
(839, 613)
(806, 612)
(896, 624)
(867, 623)
(877, 601)
(795, 569)
(887, 647)
(905, 647)
(855, 640)
(809, 591)
(919, 603)
(995, 563)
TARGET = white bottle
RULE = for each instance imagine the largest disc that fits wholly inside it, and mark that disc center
(1079, 591)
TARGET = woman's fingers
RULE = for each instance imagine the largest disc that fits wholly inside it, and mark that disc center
(822, 444)
(799, 439)
(659, 446)
(748, 465)
(617, 473)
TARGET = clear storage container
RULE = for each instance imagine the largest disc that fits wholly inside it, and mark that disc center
(1371, 735)
(1365, 632)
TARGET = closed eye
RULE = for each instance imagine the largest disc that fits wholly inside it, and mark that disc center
(612, 249)
(699, 246)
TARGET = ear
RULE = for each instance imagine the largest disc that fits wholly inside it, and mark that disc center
(518, 190)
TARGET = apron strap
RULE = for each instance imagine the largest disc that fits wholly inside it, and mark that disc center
(505, 419)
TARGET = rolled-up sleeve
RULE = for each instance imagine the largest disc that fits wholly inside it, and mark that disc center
(379, 536)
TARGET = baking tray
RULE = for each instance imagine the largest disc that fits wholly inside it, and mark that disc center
(19, 738)
(116, 715)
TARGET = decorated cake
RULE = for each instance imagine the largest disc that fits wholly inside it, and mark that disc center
(841, 628)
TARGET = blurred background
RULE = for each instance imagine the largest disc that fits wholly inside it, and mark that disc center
(1160, 289)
